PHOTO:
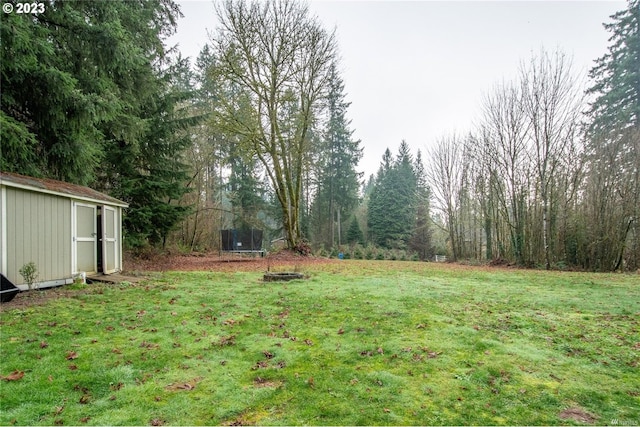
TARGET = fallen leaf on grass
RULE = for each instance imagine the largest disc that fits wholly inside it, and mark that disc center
(260, 364)
(228, 340)
(44, 344)
(73, 367)
(14, 376)
(78, 387)
(387, 410)
(71, 355)
(116, 387)
(145, 344)
(283, 314)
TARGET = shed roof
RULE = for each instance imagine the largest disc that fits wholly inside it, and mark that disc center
(59, 188)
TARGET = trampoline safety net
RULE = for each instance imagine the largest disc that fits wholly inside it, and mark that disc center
(241, 240)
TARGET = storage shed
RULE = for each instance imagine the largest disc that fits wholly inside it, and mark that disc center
(65, 229)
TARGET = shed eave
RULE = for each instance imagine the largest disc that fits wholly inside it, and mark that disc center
(112, 202)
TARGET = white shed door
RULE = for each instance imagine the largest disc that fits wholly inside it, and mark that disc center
(109, 240)
(86, 238)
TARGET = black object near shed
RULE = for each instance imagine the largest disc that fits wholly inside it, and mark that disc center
(7, 290)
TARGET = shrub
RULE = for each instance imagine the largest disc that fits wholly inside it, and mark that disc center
(29, 273)
(369, 253)
(357, 252)
(303, 248)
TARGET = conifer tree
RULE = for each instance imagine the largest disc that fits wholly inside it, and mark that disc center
(392, 202)
(72, 78)
(90, 96)
(151, 176)
(613, 181)
(338, 156)
(420, 241)
(354, 233)
(616, 76)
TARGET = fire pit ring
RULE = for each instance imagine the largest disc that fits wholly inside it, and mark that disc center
(282, 277)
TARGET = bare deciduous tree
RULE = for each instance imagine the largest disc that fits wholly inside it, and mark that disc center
(278, 57)
(505, 141)
(444, 173)
(553, 104)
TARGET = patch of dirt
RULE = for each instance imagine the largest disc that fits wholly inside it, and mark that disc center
(261, 382)
(577, 414)
(138, 266)
(41, 297)
(186, 386)
(226, 262)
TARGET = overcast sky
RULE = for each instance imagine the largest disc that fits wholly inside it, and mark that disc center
(417, 70)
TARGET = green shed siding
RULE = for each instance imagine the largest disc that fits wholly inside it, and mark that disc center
(38, 229)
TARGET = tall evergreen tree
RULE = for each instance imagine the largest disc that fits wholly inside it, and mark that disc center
(616, 76)
(90, 96)
(613, 181)
(420, 241)
(71, 81)
(392, 203)
(244, 187)
(151, 176)
(354, 233)
(405, 192)
(338, 180)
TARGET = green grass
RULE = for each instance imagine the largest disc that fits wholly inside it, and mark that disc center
(358, 343)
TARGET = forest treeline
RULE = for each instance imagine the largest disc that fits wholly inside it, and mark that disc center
(254, 133)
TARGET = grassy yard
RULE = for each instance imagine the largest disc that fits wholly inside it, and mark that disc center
(357, 343)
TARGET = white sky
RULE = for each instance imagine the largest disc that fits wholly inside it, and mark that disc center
(417, 70)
